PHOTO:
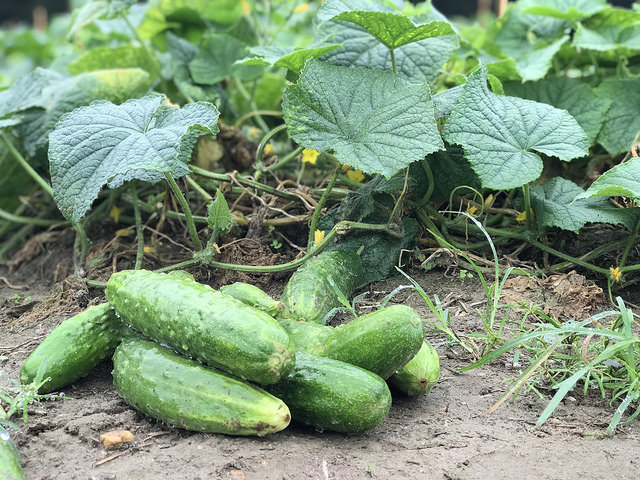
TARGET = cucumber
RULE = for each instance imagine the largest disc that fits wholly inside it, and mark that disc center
(253, 296)
(10, 468)
(206, 324)
(333, 395)
(420, 374)
(381, 342)
(309, 295)
(73, 348)
(307, 337)
(186, 394)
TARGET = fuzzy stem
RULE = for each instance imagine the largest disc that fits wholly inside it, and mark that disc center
(18, 156)
(321, 202)
(139, 232)
(191, 226)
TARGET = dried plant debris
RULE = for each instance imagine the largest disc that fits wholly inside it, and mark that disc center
(564, 296)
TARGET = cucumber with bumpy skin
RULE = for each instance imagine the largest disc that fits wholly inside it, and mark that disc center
(311, 291)
(73, 348)
(206, 324)
(308, 337)
(420, 374)
(381, 342)
(10, 468)
(253, 296)
(333, 395)
(186, 394)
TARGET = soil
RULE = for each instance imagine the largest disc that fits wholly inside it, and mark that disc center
(446, 434)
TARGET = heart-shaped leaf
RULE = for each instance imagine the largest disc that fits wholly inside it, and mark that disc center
(499, 134)
(569, 10)
(290, 58)
(621, 181)
(553, 207)
(394, 30)
(418, 62)
(371, 119)
(110, 144)
(622, 122)
(569, 94)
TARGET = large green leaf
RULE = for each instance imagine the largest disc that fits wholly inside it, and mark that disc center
(622, 122)
(332, 8)
(27, 91)
(394, 30)
(63, 96)
(216, 60)
(568, 94)
(287, 57)
(528, 41)
(451, 170)
(621, 181)
(371, 119)
(611, 29)
(182, 52)
(108, 144)
(126, 56)
(93, 9)
(417, 62)
(569, 10)
(553, 207)
(535, 64)
(499, 134)
(517, 33)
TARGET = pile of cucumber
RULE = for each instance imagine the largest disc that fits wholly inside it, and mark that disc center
(234, 360)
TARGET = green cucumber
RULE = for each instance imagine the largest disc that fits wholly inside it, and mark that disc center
(333, 395)
(307, 337)
(420, 374)
(311, 294)
(186, 394)
(206, 324)
(73, 348)
(253, 296)
(381, 342)
(10, 468)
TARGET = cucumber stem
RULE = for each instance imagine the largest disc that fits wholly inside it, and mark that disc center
(191, 226)
(21, 160)
(139, 232)
(263, 143)
(285, 160)
(321, 202)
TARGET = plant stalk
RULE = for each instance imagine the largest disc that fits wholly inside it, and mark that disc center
(191, 226)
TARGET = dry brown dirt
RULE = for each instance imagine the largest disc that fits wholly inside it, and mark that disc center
(446, 434)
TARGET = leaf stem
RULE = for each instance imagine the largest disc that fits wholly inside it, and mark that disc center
(285, 160)
(272, 133)
(253, 113)
(629, 243)
(393, 61)
(40, 222)
(427, 196)
(191, 226)
(527, 207)
(243, 91)
(139, 232)
(321, 202)
(153, 61)
(21, 160)
(242, 181)
(80, 249)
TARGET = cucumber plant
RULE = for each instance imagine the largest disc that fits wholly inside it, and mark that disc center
(421, 106)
